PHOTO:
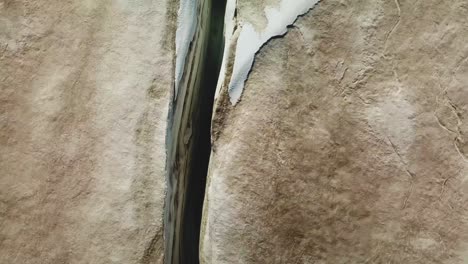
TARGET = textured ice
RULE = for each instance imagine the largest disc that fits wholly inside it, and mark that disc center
(229, 23)
(186, 28)
(250, 41)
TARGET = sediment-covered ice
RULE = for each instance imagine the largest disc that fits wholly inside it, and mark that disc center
(250, 41)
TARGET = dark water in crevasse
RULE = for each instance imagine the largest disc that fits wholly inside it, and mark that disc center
(190, 240)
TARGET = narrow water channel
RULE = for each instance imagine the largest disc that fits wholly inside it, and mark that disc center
(189, 145)
(197, 174)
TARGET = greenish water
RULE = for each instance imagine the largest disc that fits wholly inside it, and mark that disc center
(189, 141)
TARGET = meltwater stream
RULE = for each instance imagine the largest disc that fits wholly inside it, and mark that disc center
(189, 141)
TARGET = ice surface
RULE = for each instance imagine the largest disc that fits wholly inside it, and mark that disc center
(229, 23)
(250, 41)
(186, 28)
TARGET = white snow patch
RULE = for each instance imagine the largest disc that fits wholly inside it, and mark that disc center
(250, 41)
(186, 28)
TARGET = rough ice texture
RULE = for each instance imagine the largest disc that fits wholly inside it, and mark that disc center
(254, 11)
(229, 24)
(350, 144)
(250, 40)
(84, 94)
(186, 28)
